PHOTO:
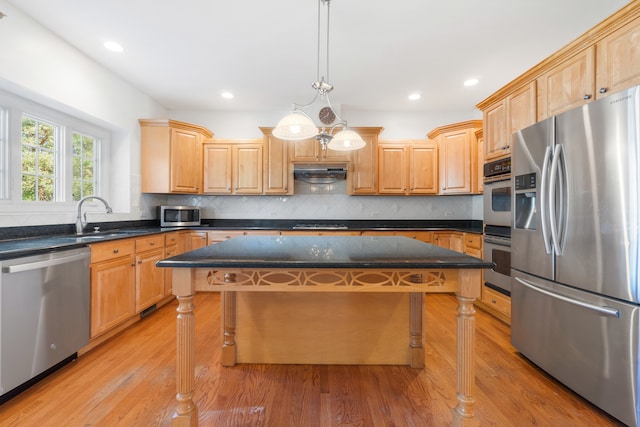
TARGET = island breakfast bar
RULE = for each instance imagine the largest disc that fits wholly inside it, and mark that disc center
(326, 300)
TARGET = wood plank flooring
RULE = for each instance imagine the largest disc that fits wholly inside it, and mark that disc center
(129, 381)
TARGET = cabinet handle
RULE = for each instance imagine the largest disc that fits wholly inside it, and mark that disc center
(115, 251)
(139, 261)
(493, 301)
(603, 90)
(587, 96)
(152, 243)
(133, 265)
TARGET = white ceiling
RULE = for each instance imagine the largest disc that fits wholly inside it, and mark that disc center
(184, 53)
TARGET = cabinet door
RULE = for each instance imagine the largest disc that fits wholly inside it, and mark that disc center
(423, 169)
(113, 293)
(495, 131)
(196, 239)
(169, 251)
(247, 174)
(277, 174)
(149, 278)
(449, 239)
(217, 168)
(455, 162)
(185, 161)
(392, 169)
(363, 175)
(521, 109)
(618, 64)
(568, 85)
(305, 150)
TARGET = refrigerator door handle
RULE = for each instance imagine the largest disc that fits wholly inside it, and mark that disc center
(544, 210)
(607, 311)
(553, 187)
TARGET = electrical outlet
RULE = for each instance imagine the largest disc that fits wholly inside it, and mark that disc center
(449, 213)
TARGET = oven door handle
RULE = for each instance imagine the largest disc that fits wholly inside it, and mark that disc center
(497, 241)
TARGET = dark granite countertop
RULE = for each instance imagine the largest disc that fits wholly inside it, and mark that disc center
(24, 241)
(323, 252)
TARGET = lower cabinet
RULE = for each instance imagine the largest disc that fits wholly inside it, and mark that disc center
(125, 280)
(453, 240)
(113, 292)
(149, 278)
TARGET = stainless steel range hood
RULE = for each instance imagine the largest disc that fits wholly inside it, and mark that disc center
(319, 173)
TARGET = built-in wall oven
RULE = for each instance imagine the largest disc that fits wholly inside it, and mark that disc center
(497, 224)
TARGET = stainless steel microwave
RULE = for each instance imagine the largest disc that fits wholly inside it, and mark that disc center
(178, 216)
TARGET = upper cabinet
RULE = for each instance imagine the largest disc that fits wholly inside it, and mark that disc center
(407, 167)
(171, 155)
(364, 161)
(277, 170)
(603, 60)
(501, 120)
(618, 59)
(233, 167)
(310, 150)
(568, 85)
(459, 158)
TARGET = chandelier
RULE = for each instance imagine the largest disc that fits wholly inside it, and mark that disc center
(298, 125)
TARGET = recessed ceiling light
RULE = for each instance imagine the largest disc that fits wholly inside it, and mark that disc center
(113, 46)
(471, 82)
(414, 96)
(226, 94)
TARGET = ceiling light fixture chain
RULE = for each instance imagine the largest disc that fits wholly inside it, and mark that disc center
(298, 125)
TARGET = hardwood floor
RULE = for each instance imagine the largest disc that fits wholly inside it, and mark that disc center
(130, 381)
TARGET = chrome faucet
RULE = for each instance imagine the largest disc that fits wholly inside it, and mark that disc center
(80, 223)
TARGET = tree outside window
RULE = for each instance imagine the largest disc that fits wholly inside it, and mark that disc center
(84, 157)
(39, 149)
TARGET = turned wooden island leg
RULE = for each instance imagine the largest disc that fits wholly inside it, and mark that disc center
(470, 283)
(186, 414)
(416, 334)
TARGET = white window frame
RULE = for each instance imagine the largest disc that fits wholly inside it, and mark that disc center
(15, 106)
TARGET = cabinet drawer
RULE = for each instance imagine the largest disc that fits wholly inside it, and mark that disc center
(111, 250)
(171, 239)
(500, 302)
(472, 240)
(149, 242)
(221, 235)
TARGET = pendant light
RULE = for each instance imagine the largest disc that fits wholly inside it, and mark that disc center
(298, 125)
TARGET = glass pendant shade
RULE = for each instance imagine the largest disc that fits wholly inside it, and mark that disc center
(346, 140)
(295, 126)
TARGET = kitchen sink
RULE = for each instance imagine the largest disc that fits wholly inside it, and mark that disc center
(107, 235)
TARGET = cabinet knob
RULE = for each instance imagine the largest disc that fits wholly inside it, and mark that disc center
(152, 243)
(493, 301)
(587, 96)
(115, 251)
(139, 261)
(603, 90)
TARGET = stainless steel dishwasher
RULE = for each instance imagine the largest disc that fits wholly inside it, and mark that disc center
(44, 315)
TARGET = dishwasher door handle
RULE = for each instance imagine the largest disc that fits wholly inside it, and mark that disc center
(43, 264)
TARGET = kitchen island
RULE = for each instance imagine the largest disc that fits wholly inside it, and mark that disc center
(323, 299)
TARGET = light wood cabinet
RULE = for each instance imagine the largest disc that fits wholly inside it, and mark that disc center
(473, 244)
(517, 111)
(498, 303)
(480, 160)
(171, 156)
(364, 170)
(310, 150)
(423, 236)
(458, 157)
(113, 291)
(618, 60)
(407, 167)
(568, 85)
(150, 287)
(278, 172)
(195, 240)
(233, 167)
(453, 240)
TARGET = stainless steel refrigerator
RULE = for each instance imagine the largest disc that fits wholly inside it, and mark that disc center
(574, 256)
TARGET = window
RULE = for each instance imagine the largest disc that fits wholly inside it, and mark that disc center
(48, 159)
(85, 165)
(40, 145)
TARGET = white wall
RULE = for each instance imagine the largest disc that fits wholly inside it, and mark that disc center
(37, 65)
